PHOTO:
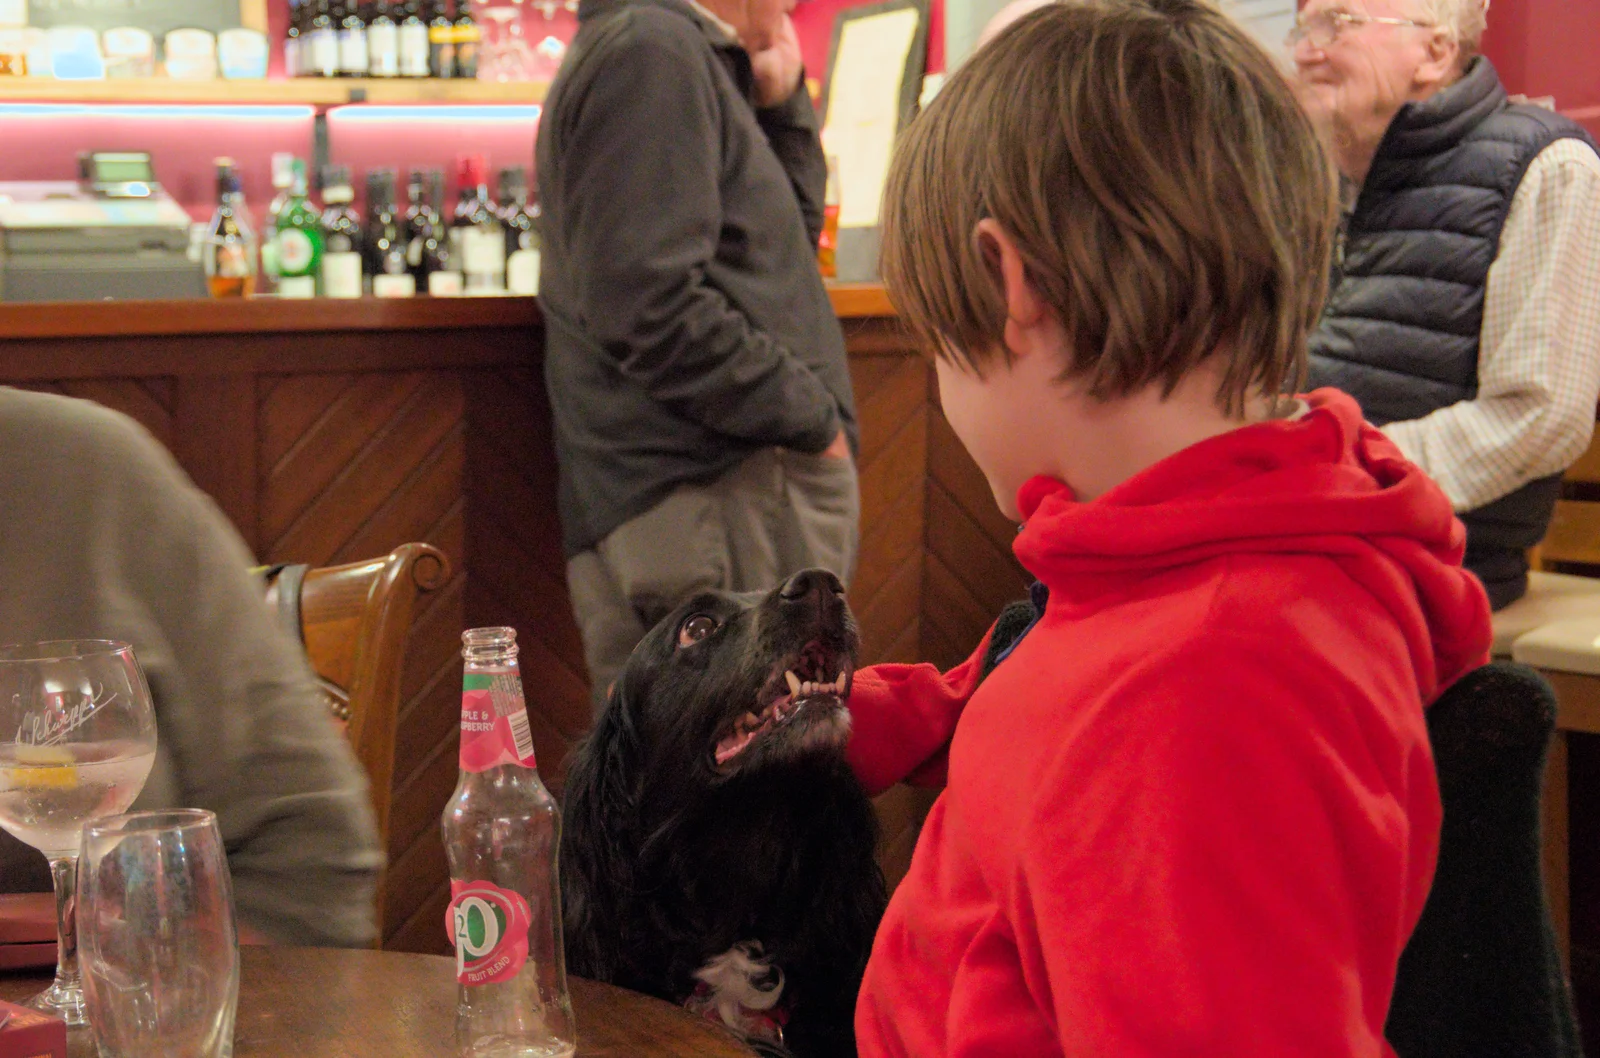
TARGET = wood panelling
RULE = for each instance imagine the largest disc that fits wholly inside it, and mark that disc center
(339, 435)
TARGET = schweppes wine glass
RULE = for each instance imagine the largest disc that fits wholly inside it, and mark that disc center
(77, 739)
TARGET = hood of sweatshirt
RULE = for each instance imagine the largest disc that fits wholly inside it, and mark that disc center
(1325, 483)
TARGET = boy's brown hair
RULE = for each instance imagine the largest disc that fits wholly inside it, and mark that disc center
(1169, 196)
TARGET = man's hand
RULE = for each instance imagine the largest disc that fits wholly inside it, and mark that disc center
(777, 68)
(840, 449)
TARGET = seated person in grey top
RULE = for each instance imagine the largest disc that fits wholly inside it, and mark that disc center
(103, 536)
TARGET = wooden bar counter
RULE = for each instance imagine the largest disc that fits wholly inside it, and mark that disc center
(330, 431)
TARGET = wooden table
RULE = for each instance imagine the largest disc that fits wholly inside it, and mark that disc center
(340, 1003)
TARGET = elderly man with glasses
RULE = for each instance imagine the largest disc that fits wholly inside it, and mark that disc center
(1465, 310)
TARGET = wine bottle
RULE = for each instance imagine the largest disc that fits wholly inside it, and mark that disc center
(341, 259)
(298, 239)
(324, 42)
(230, 246)
(413, 35)
(387, 273)
(519, 215)
(383, 42)
(353, 55)
(441, 41)
(467, 37)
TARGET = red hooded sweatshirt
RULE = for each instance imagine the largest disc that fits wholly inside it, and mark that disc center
(1195, 811)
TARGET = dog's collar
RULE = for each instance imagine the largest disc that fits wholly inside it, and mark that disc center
(756, 1024)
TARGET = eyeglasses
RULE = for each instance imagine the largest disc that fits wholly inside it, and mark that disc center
(1323, 29)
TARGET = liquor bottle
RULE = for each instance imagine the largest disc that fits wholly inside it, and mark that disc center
(291, 40)
(341, 255)
(467, 37)
(519, 215)
(413, 42)
(383, 42)
(828, 242)
(282, 180)
(479, 238)
(298, 240)
(441, 40)
(501, 833)
(386, 268)
(324, 42)
(353, 57)
(230, 246)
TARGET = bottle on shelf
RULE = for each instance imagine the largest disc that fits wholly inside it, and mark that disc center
(828, 241)
(413, 37)
(282, 180)
(324, 42)
(230, 246)
(298, 240)
(291, 40)
(468, 35)
(353, 56)
(444, 270)
(441, 40)
(519, 215)
(341, 254)
(501, 832)
(383, 42)
(386, 265)
(479, 237)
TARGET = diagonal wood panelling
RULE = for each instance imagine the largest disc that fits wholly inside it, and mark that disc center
(350, 467)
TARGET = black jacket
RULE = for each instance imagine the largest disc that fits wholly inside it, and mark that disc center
(1404, 319)
(686, 322)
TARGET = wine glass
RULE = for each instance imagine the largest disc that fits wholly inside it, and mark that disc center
(77, 739)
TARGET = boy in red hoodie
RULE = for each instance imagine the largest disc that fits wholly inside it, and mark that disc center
(1193, 811)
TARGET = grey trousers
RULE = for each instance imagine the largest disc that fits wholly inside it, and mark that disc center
(771, 516)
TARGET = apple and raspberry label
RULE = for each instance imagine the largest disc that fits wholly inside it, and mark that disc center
(494, 722)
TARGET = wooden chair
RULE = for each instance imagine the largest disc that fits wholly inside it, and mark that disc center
(1553, 628)
(353, 620)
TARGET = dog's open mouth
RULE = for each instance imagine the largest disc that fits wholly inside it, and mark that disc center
(812, 686)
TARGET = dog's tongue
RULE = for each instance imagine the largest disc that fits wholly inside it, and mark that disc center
(733, 744)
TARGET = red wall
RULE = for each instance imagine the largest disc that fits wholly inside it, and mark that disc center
(1548, 48)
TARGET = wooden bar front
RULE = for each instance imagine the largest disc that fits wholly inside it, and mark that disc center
(330, 431)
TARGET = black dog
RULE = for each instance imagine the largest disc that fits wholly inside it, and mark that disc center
(717, 851)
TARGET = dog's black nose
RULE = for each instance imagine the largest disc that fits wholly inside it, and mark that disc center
(808, 581)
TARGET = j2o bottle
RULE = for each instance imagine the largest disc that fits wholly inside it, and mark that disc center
(501, 834)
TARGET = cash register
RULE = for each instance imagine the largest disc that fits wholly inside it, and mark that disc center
(112, 233)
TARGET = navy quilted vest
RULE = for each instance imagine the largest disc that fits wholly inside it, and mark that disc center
(1400, 333)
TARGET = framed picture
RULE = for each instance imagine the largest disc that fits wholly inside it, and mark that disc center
(875, 67)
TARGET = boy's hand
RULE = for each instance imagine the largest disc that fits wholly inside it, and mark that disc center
(777, 67)
(839, 449)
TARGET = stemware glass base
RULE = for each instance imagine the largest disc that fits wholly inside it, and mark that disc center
(63, 1000)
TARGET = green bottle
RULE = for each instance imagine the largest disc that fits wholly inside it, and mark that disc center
(298, 241)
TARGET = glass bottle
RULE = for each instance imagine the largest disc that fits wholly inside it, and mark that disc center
(282, 180)
(298, 240)
(354, 59)
(479, 238)
(519, 215)
(828, 242)
(413, 34)
(383, 42)
(441, 40)
(388, 276)
(291, 40)
(324, 42)
(341, 255)
(428, 243)
(468, 35)
(501, 832)
(230, 247)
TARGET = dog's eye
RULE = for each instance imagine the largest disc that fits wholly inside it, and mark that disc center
(695, 629)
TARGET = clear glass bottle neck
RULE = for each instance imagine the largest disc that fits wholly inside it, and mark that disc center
(489, 648)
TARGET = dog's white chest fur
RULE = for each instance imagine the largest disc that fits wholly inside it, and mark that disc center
(742, 988)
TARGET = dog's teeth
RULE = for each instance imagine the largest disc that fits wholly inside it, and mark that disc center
(794, 681)
(840, 684)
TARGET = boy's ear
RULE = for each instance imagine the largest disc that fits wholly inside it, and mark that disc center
(1026, 312)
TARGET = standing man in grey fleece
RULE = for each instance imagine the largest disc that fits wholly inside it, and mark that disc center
(704, 421)
(102, 536)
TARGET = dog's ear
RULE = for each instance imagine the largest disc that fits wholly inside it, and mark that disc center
(598, 847)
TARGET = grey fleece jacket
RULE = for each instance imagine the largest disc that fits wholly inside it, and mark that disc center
(103, 536)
